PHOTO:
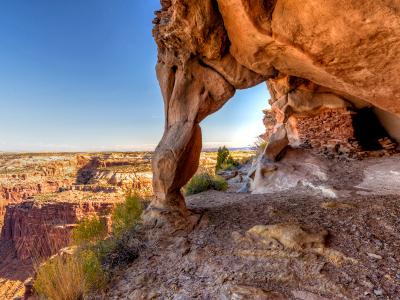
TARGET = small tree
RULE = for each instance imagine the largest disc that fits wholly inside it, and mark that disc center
(225, 161)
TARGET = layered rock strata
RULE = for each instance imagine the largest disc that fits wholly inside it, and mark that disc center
(41, 229)
(22, 191)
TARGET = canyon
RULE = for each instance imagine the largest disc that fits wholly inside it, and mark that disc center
(44, 196)
(312, 213)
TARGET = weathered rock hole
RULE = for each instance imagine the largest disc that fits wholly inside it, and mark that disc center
(368, 130)
(240, 120)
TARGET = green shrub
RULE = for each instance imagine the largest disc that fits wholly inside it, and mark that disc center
(72, 277)
(89, 231)
(126, 214)
(222, 155)
(224, 160)
(94, 274)
(203, 182)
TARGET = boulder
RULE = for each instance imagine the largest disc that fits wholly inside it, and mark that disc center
(288, 235)
(242, 292)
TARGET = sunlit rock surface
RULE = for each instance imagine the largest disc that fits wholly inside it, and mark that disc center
(208, 49)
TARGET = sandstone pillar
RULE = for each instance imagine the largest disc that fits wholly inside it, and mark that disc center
(191, 91)
(197, 75)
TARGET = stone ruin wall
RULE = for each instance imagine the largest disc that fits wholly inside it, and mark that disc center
(330, 129)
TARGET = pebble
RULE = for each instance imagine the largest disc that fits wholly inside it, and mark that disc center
(398, 275)
(375, 256)
(378, 292)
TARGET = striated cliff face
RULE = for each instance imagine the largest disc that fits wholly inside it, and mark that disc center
(41, 229)
(337, 55)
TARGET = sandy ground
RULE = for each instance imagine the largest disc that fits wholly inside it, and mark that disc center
(360, 258)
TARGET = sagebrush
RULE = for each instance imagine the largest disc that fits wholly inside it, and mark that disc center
(90, 230)
(203, 182)
(126, 215)
(72, 276)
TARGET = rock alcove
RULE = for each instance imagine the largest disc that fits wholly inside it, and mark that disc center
(320, 72)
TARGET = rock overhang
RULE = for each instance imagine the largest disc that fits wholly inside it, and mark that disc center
(312, 55)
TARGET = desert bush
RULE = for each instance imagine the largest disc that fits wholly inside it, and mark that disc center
(94, 275)
(71, 277)
(203, 182)
(89, 231)
(260, 145)
(127, 214)
(61, 278)
(225, 161)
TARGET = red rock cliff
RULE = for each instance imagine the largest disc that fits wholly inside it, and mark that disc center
(41, 229)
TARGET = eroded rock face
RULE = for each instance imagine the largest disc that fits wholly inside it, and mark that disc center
(208, 49)
(298, 167)
(41, 229)
(22, 177)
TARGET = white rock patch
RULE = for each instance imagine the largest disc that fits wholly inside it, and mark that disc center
(381, 179)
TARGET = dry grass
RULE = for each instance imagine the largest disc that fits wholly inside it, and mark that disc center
(61, 278)
(71, 276)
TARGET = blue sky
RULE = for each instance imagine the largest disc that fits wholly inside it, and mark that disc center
(79, 76)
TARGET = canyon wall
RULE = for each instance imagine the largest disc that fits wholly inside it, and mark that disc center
(41, 229)
(312, 55)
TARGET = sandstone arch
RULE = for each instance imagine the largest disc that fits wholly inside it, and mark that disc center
(310, 53)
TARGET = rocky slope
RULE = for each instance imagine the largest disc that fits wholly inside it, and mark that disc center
(13, 272)
(295, 244)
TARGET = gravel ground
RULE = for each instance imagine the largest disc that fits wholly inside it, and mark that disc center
(360, 258)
